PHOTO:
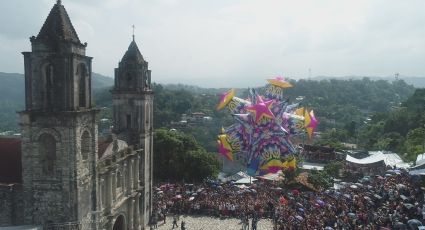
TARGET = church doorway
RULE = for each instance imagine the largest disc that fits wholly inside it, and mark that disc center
(119, 223)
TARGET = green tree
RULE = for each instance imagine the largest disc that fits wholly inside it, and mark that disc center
(319, 179)
(415, 143)
(178, 157)
(333, 168)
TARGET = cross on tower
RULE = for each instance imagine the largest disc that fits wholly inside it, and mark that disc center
(133, 31)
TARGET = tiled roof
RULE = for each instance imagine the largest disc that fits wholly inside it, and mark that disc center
(10, 160)
(58, 26)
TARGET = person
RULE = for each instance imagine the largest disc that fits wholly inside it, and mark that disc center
(183, 225)
(152, 222)
(155, 221)
(175, 221)
(254, 223)
(245, 222)
(164, 214)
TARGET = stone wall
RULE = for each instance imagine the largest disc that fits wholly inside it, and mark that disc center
(11, 205)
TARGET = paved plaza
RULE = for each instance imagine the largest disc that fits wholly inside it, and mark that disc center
(209, 223)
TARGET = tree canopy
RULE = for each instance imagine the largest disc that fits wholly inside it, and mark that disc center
(178, 157)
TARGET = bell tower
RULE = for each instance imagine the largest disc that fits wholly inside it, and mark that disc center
(59, 128)
(132, 98)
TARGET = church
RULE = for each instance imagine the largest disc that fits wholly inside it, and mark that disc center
(69, 177)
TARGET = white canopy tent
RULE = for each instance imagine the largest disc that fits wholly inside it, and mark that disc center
(420, 172)
(248, 180)
(390, 159)
(420, 159)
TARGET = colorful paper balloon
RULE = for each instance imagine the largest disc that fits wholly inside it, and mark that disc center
(261, 109)
(225, 98)
(224, 147)
(279, 82)
(260, 138)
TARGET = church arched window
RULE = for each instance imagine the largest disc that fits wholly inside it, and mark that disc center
(119, 184)
(47, 87)
(129, 80)
(47, 152)
(85, 145)
(83, 84)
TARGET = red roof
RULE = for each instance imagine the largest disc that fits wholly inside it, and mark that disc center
(10, 160)
(102, 145)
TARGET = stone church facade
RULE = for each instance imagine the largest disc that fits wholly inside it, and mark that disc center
(68, 181)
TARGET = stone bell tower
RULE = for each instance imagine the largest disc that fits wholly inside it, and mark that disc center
(59, 128)
(132, 97)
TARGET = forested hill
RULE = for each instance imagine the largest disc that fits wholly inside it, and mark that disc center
(12, 97)
(336, 102)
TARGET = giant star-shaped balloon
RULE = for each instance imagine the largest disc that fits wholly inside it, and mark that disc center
(312, 124)
(279, 82)
(225, 98)
(224, 147)
(261, 109)
(313, 120)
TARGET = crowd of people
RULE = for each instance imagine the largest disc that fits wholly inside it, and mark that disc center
(389, 201)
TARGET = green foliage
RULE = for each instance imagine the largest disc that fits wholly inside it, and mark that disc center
(178, 157)
(332, 169)
(401, 130)
(415, 143)
(9, 117)
(332, 138)
(319, 179)
(340, 105)
(337, 102)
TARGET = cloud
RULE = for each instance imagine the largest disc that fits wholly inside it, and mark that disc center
(235, 43)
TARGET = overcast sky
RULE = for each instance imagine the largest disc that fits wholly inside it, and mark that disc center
(234, 43)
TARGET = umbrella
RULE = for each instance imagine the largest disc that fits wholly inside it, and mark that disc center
(403, 197)
(399, 225)
(353, 186)
(295, 192)
(283, 201)
(300, 218)
(320, 202)
(347, 196)
(414, 223)
(351, 215)
(408, 206)
(191, 198)
(301, 209)
(400, 186)
(377, 196)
